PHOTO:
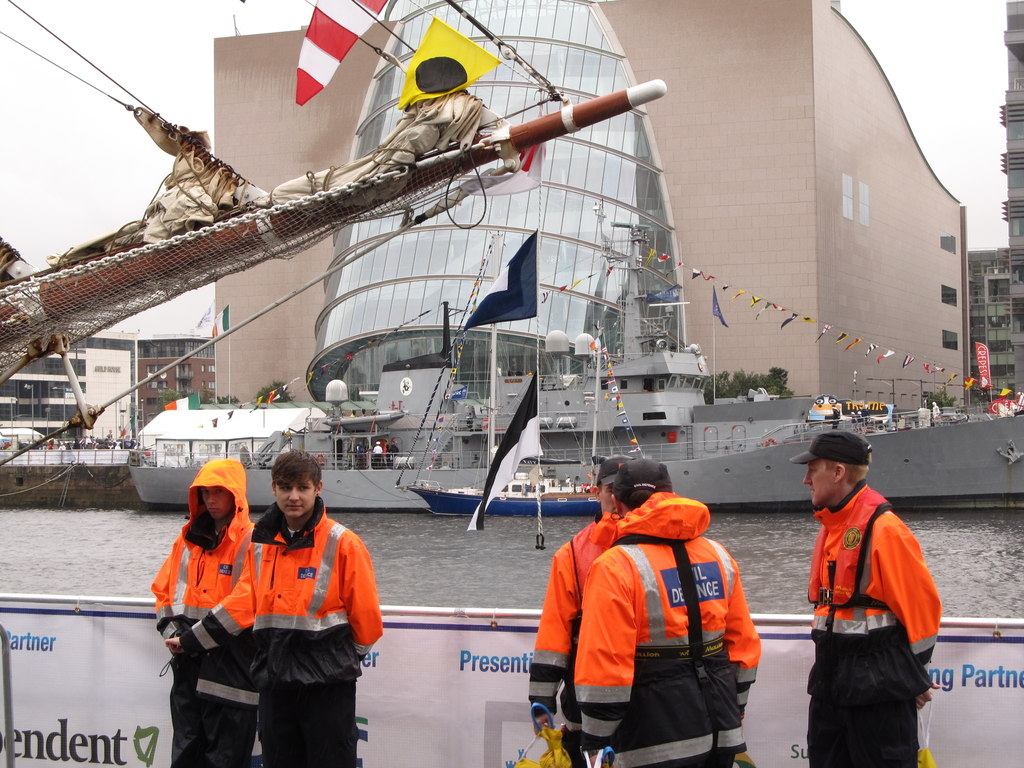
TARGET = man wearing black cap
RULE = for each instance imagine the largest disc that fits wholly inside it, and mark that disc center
(559, 627)
(667, 647)
(876, 616)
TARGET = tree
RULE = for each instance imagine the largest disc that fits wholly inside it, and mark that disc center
(739, 383)
(282, 394)
(168, 396)
(942, 397)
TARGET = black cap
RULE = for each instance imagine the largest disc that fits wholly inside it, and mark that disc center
(641, 475)
(844, 447)
(608, 470)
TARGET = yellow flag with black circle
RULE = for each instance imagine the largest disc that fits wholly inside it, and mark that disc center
(446, 61)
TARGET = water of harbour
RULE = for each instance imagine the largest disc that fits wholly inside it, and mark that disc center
(424, 560)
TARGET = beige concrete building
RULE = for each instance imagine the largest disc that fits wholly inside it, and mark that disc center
(786, 166)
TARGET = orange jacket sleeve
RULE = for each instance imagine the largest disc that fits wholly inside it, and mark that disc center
(901, 579)
(359, 591)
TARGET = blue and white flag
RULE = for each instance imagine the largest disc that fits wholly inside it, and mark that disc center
(513, 296)
(667, 296)
(717, 310)
(521, 441)
(459, 394)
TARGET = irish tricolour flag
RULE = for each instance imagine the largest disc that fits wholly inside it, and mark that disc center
(189, 403)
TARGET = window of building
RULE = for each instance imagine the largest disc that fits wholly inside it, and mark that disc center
(947, 242)
(1016, 177)
(1015, 130)
(950, 340)
(998, 288)
(848, 197)
(949, 295)
(1016, 226)
(865, 204)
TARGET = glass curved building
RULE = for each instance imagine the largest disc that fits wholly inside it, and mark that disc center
(387, 305)
(780, 168)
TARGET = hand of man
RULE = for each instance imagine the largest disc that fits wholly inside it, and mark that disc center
(925, 697)
(174, 646)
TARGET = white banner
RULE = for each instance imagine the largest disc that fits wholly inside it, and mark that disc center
(448, 687)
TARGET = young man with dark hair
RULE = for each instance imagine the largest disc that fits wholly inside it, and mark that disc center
(876, 616)
(558, 633)
(667, 648)
(309, 593)
(213, 699)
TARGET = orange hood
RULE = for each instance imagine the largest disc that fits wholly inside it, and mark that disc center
(227, 473)
(667, 516)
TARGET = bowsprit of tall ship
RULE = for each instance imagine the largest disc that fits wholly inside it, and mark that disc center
(102, 284)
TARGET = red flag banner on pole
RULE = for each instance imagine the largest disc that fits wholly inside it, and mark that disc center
(984, 371)
(333, 30)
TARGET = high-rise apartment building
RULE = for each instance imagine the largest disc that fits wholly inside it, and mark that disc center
(990, 308)
(779, 165)
(1013, 165)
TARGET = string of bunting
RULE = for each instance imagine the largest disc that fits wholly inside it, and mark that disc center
(763, 303)
(437, 428)
(620, 406)
(544, 295)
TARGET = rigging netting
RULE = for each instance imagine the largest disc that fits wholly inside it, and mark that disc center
(88, 297)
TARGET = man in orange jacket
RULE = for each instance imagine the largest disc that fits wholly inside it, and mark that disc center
(213, 699)
(558, 632)
(309, 593)
(667, 649)
(876, 616)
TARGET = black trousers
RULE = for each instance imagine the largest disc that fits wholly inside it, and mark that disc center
(872, 736)
(309, 727)
(207, 734)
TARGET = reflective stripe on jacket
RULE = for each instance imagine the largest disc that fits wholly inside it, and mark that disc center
(559, 624)
(312, 603)
(201, 570)
(636, 692)
(875, 651)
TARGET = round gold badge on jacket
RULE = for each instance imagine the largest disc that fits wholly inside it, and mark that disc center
(851, 539)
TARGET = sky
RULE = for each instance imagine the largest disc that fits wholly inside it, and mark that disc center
(75, 165)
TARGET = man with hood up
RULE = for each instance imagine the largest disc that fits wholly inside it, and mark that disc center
(213, 699)
(667, 648)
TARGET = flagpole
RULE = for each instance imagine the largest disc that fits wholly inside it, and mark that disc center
(714, 363)
(497, 247)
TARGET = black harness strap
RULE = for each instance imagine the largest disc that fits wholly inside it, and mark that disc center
(695, 628)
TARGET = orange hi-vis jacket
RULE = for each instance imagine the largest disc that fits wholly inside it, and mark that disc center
(201, 570)
(312, 603)
(635, 680)
(558, 630)
(892, 621)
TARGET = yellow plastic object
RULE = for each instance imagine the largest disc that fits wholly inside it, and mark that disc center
(925, 759)
(554, 756)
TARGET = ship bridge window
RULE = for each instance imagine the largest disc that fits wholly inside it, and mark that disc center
(653, 415)
(648, 385)
(624, 384)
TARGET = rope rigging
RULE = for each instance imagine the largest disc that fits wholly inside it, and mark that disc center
(56, 37)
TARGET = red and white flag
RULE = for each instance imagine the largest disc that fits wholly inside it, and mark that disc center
(333, 30)
(526, 178)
